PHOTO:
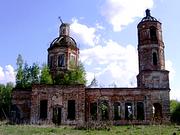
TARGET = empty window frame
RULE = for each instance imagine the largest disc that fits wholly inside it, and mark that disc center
(154, 58)
(43, 109)
(128, 111)
(140, 111)
(71, 110)
(117, 111)
(61, 60)
(153, 34)
(104, 107)
(93, 110)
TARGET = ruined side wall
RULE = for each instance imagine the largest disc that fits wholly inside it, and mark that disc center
(58, 95)
(21, 105)
(129, 95)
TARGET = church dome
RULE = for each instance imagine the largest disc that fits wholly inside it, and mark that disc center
(63, 41)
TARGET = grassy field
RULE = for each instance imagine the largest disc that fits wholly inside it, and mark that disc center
(66, 130)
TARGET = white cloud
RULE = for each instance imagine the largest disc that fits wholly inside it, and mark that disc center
(100, 27)
(120, 13)
(112, 63)
(83, 33)
(7, 74)
(1, 74)
(169, 67)
(175, 91)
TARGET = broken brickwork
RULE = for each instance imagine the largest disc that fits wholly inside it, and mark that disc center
(57, 97)
(133, 96)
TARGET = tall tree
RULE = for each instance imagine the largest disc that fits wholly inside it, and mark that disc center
(45, 77)
(35, 73)
(19, 75)
(26, 82)
(5, 99)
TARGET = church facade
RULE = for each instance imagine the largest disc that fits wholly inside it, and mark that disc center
(76, 104)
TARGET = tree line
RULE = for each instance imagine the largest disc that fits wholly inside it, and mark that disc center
(28, 75)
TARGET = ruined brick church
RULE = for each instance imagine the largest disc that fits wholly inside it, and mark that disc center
(76, 104)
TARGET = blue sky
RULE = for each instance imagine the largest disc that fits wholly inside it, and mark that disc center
(105, 31)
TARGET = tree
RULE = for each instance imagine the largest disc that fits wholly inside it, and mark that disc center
(19, 75)
(5, 99)
(79, 74)
(173, 105)
(175, 111)
(35, 73)
(26, 81)
(74, 76)
(45, 77)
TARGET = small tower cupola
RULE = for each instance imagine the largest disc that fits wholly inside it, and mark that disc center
(148, 17)
(64, 29)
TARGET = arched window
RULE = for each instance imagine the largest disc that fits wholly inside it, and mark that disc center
(153, 34)
(154, 58)
(128, 111)
(104, 107)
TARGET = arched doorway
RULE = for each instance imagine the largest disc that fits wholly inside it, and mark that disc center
(57, 115)
(157, 112)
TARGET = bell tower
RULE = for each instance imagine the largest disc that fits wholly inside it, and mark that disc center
(152, 73)
(63, 53)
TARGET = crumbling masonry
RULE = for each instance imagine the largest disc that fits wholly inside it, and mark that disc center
(76, 104)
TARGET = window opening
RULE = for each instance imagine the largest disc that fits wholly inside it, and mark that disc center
(61, 60)
(104, 110)
(117, 111)
(154, 58)
(128, 111)
(93, 111)
(153, 34)
(140, 111)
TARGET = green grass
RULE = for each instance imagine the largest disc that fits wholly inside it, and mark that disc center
(67, 130)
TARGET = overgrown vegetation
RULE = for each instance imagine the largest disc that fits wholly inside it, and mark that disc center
(75, 76)
(5, 100)
(66, 130)
(175, 111)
